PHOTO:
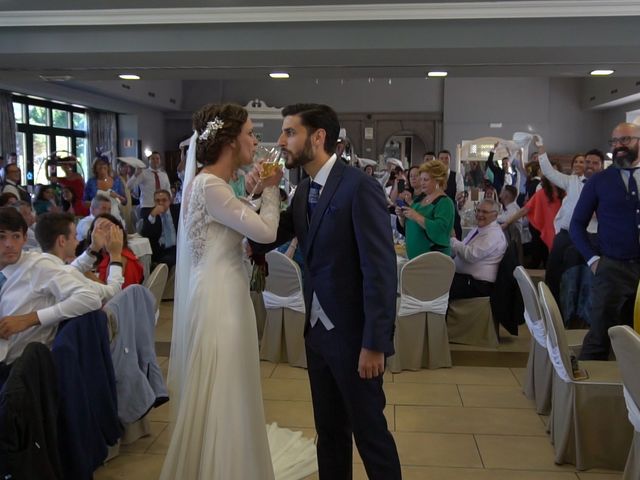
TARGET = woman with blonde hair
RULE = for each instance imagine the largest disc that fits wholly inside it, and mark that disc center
(429, 221)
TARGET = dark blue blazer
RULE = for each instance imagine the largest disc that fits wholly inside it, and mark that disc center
(349, 258)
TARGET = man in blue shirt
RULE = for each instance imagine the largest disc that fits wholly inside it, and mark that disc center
(613, 196)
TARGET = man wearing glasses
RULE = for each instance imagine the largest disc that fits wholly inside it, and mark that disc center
(478, 256)
(613, 196)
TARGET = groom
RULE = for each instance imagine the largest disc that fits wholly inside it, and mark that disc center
(340, 218)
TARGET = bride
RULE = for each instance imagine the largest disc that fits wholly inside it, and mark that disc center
(214, 370)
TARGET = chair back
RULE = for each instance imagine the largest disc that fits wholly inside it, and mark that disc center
(532, 312)
(283, 287)
(626, 345)
(427, 276)
(557, 345)
(157, 281)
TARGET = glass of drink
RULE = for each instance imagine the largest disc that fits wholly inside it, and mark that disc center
(268, 161)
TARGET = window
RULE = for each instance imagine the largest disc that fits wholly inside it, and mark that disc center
(43, 128)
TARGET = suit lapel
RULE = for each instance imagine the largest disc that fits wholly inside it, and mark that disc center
(300, 209)
(328, 191)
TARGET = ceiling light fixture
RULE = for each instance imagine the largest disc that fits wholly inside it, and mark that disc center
(279, 75)
(601, 73)
(437, 74)
(129, 76)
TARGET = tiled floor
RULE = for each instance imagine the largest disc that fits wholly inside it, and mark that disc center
(467, 422)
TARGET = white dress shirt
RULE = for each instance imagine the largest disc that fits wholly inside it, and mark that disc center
(39, 282)
(572, 185)
(146, 180)
(317, 313)
(84, 263)
(508, 212)
(479, 255)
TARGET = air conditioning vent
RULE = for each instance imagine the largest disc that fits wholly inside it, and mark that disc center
(56, 78)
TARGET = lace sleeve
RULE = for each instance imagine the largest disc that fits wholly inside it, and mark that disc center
(222, 205)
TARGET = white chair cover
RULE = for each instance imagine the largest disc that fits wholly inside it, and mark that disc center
(557, 346)
(421, 338)
(282, 338)
(156, 282)
(532, 314)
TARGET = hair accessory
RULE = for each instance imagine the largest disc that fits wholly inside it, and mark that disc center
(211, 128)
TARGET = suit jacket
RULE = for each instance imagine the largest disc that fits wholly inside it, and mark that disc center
(153, 231)
(349, 259)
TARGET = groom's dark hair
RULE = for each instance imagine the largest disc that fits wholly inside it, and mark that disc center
(315, 116)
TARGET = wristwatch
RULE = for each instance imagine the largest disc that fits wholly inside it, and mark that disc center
(93, 253)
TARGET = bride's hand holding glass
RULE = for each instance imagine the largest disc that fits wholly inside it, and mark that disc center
(266, 162)
(270, 174)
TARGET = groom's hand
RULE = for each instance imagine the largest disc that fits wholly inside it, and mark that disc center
(370, 363)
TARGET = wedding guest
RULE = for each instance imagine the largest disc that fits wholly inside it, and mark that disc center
(132, 269)
(149, 180)
(369, 170)
(53, 293)
(12, 179)
(508, 198)
(500, 173)
(125, 173)
(75, 183)
(45, 200)
(104, 183)
(161, 226)
(99, 206)
(24, 208)
(56, 234)
(478, 256)
(7, 199)
(454, 187)
(577, 164)
(427, 224)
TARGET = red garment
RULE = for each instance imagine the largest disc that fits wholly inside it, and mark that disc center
(76, 185)
(133, 273)
(542, 213)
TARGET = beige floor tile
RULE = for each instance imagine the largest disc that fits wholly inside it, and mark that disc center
(284, 370)
(439, 473)
(286, 389)
(490, 421)
(494, 396)
(520, 374)
(163, 331)
(160, 414)
(599, 476)
(289, 414)
(518, 453)
(460, 375)
(141, 445)
(131, 466)
(266, 369)
(161, 444)
(421, 394)
(390, 415)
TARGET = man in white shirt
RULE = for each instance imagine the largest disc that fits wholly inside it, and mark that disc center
(558, 260)
(56, 233)
(37, 292)
(508, 198)
(99, 206)
(149, 181)
(478, 256)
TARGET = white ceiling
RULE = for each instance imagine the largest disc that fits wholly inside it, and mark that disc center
(213, 48)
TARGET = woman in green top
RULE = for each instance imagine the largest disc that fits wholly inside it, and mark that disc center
(429, 220)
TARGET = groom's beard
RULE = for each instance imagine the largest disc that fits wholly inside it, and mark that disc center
(624, 157)
(300, 160)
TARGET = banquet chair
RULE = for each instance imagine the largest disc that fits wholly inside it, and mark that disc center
(626, 345)
(539, 376)
(156, 282)
(470, 322)
(588, 423)
(168, 292)
(421, 338)
(283, 336)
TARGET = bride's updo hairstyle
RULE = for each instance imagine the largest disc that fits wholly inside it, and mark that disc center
(211, 138)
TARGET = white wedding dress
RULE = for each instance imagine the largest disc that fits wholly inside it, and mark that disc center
(214, 373)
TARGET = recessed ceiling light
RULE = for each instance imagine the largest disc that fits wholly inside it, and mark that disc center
(437, 74)
(129, 76)
(601, 73)
(279, 75)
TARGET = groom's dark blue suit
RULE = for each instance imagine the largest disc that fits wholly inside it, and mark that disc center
(350, 264)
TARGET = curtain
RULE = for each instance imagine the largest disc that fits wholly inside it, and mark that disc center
(103, 135)
(7, 125)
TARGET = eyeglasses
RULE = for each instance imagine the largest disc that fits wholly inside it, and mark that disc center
(626, 140)
(486, 212)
